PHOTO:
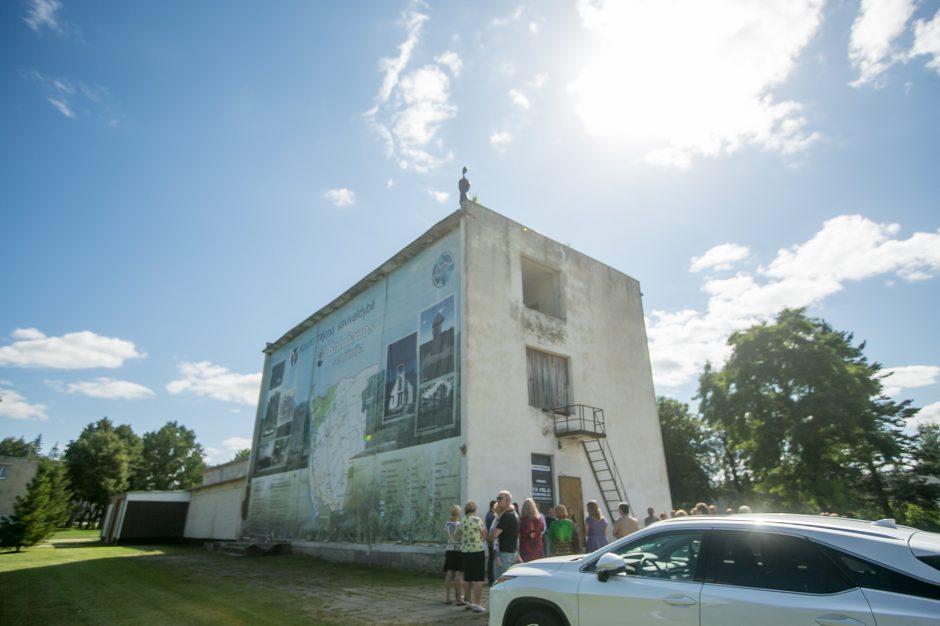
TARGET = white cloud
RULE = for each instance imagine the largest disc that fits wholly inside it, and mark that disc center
(500, 139)
(110, 389)
(43, 13)
(439, 196)
(720, 257)
(878, 24)
(81, 350)
(852, 247)
(927, 41)
(897, 379)
(235, 444)
(216, 382)
(702, 85)
(341, 197)
(15, 406)
(847, 248)
(519, 99)
(62, 107)
(413, 22)
(410, 107)
(503, 21)
(929, 414)
(75, 100)
(450, 60)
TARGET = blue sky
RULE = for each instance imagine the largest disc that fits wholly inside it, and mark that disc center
(182, 182)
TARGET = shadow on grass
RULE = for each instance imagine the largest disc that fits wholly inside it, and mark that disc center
(129, 585)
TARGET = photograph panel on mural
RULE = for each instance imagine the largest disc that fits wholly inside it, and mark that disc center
(401, 378)
(283, 442)
(437, 340)
(437, 363)
(277, 375)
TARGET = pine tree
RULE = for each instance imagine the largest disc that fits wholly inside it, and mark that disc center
(37, 513)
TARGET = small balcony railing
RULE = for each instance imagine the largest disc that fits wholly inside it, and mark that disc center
(579, 420)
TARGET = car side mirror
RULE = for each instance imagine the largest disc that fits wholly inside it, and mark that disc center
(609, 564)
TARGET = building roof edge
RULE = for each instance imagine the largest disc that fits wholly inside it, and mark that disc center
(424, 240)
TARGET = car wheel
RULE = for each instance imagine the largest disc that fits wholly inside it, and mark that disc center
(538, 617)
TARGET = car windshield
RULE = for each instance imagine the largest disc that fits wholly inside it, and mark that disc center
(670, 555)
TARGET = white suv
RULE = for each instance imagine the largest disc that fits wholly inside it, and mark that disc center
(741, 570)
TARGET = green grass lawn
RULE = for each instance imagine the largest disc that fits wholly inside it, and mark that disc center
(74, 582)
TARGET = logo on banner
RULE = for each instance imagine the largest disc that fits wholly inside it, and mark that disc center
(443, 268)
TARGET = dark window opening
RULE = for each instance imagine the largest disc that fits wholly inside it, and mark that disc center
(541, 289)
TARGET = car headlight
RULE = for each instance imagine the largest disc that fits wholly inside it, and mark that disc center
(503, 578)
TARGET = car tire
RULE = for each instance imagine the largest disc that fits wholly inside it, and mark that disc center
(538, 617)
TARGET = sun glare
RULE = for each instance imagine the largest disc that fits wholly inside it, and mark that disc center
(682, 78)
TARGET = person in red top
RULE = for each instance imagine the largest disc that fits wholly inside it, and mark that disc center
(531, 531)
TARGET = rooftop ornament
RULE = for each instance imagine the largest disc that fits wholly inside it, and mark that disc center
(464, 185)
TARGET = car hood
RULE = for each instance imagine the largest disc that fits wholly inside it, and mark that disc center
(552, 563)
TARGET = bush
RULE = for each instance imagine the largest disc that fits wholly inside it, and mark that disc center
(38, 512)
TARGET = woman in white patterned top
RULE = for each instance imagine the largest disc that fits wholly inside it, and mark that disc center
(453, 557)
(472, 540)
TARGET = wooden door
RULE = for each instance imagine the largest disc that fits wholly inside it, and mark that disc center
(569, 494)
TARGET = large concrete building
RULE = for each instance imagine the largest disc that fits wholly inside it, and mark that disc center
(483, 356)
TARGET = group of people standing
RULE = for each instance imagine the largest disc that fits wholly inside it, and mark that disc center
(483, 549)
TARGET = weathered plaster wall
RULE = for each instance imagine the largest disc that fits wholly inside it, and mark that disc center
(604, 336)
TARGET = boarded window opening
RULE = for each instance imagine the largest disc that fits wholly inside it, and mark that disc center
(541, 289)
(548, 380)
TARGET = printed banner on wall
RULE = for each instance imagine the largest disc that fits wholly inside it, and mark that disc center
(361, 409)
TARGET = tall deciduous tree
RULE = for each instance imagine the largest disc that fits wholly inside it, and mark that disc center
(99, 464)
(689, 452)
(171, 458)
(801, 412)
(43, 508)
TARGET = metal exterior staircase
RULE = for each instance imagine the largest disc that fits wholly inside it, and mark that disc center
(606, 474)
(586, 423)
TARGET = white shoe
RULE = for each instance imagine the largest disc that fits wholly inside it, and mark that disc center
(478, 608)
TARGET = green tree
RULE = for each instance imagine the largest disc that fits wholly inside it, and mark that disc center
(19, 447)
(171, 459)
(242, 455)
(689, 452)
(915, 491)
(98, 465)
(802, 416)
(925, 452)
(37, 513)
(134, 446)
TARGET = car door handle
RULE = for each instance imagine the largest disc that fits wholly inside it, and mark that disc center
(837, 620)
(679, 599)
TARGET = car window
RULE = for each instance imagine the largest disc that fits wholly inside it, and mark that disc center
(873, 576)
(667, 555)
(766, 560)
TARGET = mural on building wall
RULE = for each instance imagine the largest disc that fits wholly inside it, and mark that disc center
(358, 425)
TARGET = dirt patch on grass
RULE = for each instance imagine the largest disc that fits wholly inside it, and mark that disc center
(333, 593)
